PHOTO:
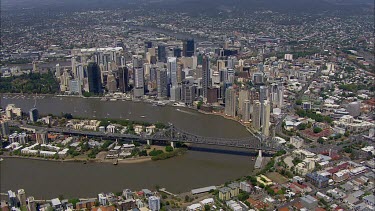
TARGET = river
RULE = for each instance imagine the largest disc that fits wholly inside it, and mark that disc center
(183, 118)
(47, 179)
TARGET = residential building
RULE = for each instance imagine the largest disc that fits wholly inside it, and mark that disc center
(230, 102)
(224, 193)
(154, 203)
(256, 115)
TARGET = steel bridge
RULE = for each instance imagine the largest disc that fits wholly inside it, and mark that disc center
(172, 135)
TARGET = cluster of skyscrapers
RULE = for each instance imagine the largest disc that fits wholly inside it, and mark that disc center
(184, 75)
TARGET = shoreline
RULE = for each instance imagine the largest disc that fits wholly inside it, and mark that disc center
(72, 160)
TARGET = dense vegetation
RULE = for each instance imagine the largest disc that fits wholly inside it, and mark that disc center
(311, 114)
(30, 83)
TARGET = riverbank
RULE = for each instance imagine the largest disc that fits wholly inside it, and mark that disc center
(78, 160)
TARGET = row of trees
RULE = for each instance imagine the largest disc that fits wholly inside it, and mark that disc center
(30, 83)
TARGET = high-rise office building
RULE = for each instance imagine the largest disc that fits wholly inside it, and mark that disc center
(162, 83)
(206, 75)
(224, 75)
(58, 71)
(94, 78)
(139, 82)
(256, 115)
(175, 93)
(148, 44)
(154, 203)
(230, 102)
(4, 128)
(265, 121)
(189, 48)
(162, 53)
(177, 52)
(258, 78)
(172, 71)
(246, 111)
(137, 61)
(33, 114)
(212, 94)
(263, 93)
(111, 83)
(187, 92)
(277, 94)
(123, 79)
(75, 87)
(220, 65)
(231, 75)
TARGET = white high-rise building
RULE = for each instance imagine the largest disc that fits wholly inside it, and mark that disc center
(242, 96)
(277, 94)
(176, 93)
(265, 121)
(256, 115)
(58, 71)
(230, 102)
(154, 203)
(172, 71)
(138, 82)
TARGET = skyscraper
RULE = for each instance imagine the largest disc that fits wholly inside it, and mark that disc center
(33, 114)
(177, 52)
(187, 92)
(242, 96)
(123, 76)
(4, 128)
(277, 94)
(162, 83)
(162, 54)
(175, 93)
(94, 78)
(263, 93)
(189, 48)
(230, 102)
(205, 76)
(256, 115)
(265, 121)
(172, 71)
(139, 82)
(246, 111)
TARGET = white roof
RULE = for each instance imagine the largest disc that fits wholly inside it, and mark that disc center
(55, 202)
(207, 201)
(194, 206)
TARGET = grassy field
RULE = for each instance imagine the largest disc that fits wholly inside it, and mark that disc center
(276, 177)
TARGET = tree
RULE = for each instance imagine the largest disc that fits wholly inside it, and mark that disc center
(318, 130)
(302, 126)
(207, 207)
(199, 104)
(299, 102)
(320, 140)
(187, 198)
(168, 149)
(73, 201)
